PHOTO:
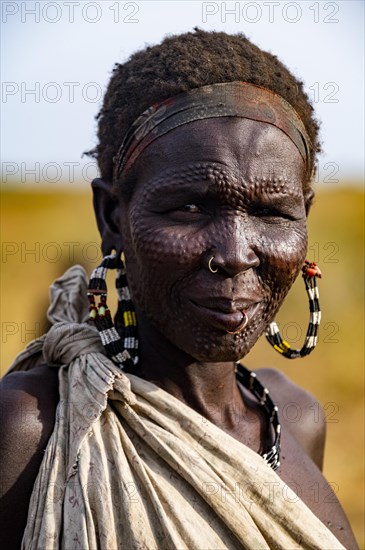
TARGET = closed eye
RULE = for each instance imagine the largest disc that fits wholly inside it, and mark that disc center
(271, 213)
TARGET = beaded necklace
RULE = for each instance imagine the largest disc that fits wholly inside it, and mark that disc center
(249, 381)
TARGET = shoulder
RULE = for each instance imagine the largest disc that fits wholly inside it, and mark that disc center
(299, 412)
(28, 404)
(28, 407)
(26, 397)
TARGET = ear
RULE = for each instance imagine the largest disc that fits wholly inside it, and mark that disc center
(106, 208)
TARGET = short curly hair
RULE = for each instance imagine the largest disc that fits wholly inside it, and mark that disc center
(186, 61)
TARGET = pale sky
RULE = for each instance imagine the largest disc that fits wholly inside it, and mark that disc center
(57, 58)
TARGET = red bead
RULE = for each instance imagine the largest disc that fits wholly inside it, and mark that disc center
(312, 270)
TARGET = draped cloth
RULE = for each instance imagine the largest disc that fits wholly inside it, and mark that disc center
(129, 466)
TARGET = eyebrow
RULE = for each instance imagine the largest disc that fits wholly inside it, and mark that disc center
(279, 197)
(203, 185)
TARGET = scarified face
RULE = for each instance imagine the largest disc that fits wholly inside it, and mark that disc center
(227, 188)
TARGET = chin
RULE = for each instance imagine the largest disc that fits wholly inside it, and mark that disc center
(229, 348)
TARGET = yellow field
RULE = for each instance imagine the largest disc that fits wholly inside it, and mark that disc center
(45, 232)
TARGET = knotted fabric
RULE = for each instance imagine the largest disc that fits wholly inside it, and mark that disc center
(129, 466)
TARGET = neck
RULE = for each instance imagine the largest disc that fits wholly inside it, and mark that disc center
(209, 388)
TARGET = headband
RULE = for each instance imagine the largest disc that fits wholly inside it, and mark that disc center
(227, 99)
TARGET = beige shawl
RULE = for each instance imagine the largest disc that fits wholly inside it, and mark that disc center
(129, 466)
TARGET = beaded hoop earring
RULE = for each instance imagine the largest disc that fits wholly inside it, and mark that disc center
(310, 272)
(123, 351)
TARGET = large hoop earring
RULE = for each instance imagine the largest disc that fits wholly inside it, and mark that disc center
(310, 272)
(122, 351)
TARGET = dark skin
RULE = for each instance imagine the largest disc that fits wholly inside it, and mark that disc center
(227, 188)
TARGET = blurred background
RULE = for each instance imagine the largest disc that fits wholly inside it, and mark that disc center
(56, 60)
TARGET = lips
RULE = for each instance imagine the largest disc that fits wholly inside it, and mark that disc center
(224, 314)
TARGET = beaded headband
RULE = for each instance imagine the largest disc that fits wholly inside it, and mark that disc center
(227, 99)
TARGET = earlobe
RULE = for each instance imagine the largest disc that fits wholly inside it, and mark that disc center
(106, 208)
(308, 198)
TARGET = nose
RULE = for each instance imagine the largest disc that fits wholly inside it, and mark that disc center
(234, 251)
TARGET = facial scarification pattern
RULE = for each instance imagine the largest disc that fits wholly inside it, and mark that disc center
(167, 251)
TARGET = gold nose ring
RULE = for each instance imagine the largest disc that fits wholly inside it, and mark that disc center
(210, 266)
